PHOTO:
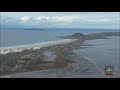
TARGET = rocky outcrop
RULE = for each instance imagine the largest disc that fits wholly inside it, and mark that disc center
(111, 33)
(75, 36)
(91, 36)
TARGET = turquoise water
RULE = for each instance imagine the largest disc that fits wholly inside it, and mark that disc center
(16, 37)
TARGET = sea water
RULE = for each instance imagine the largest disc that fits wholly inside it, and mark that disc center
(16, 37)
(105, 52)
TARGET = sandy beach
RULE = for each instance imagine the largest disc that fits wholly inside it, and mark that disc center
(6, 50)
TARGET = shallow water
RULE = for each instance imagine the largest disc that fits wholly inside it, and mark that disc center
(105, 52)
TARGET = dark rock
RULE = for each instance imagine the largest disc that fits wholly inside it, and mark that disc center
(102, 35)
(74, 36)
(91, 36)
(111, 33)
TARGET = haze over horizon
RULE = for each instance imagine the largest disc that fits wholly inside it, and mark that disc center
(83, 20)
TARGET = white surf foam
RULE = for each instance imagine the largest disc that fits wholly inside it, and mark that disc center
(6, 50)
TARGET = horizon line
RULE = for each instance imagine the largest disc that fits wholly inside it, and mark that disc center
(54, 28)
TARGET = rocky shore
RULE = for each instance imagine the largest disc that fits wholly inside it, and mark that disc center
(102, 35)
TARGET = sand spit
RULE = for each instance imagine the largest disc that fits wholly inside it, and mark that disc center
(6, 50)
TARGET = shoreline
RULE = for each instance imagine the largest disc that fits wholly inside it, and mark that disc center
(36, 46)
(56, 54)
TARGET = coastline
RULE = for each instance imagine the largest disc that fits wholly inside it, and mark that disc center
(36, 46)
(33, 58)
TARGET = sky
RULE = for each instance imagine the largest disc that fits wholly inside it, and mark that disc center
(104, 20)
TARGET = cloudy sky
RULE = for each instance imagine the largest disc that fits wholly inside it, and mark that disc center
(60, 19)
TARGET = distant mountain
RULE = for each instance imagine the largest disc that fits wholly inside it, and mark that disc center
(74, 36)
(91, 36)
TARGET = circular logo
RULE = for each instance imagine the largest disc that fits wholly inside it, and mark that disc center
(109, 70)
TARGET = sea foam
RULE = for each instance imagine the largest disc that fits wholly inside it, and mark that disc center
(6, 50)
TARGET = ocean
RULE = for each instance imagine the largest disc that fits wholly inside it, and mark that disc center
(16, 37)
(105, 52)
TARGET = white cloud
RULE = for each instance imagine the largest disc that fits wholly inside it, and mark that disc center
(99, 21)
(106, 20)
(83, 19)
(63, 20)
(67, 19)
(54, 19)
(41, 19)
(25, 18)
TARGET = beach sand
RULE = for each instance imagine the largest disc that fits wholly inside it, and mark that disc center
(6, 50)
